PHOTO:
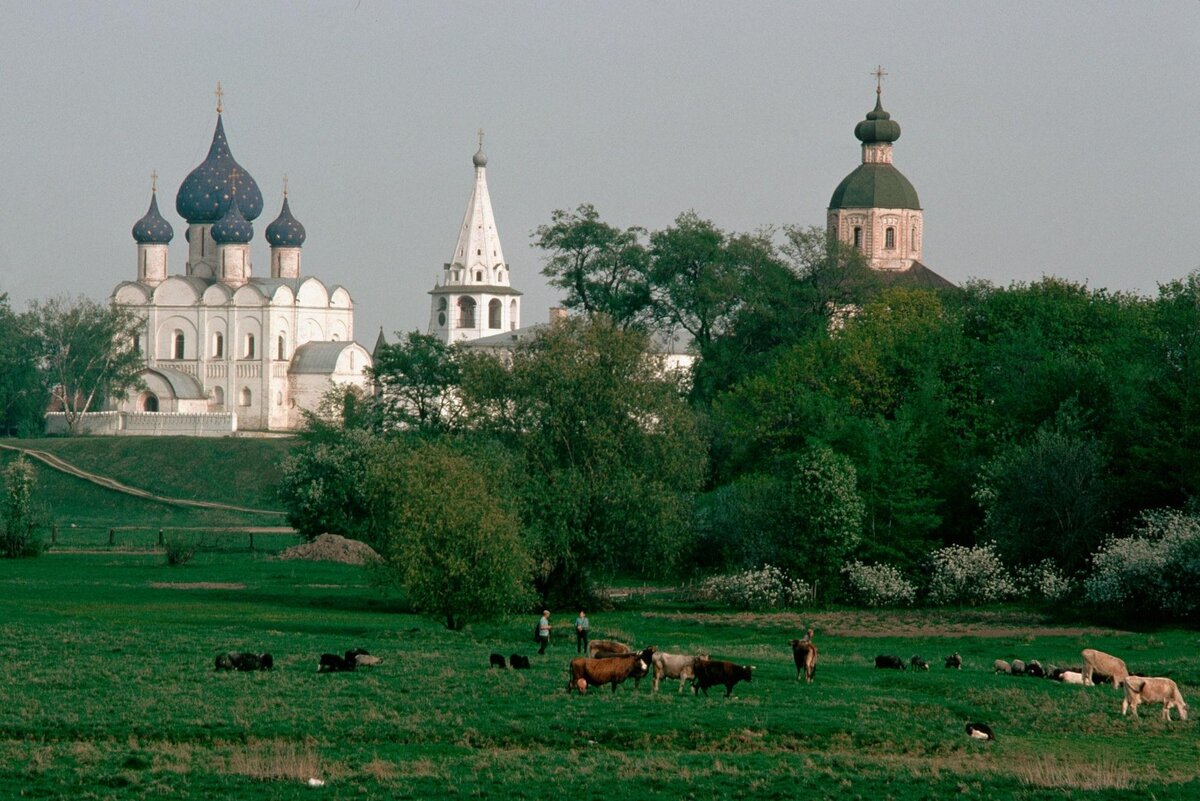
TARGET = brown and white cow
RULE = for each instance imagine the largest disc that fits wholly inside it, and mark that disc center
(804, 654)
(710, 672)
(674, 666)
(1153, 691)
(609, 670)
(1099, 662)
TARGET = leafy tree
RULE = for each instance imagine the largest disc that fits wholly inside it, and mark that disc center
(324, 482)
(18, 511)
(23, 395)
(611, 451)
(824, 515)
(416, 378)
(446, 536)
(88, 352)
(601, 268)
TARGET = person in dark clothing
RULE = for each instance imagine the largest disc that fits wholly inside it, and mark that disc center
(581, 633)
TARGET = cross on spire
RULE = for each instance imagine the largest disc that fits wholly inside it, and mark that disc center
(154, 180)
(285, 184)
(481, 139)
(220, 93)
(233, 174)
(879, 73)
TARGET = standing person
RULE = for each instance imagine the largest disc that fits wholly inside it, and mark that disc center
(543, 631)
(581, 633)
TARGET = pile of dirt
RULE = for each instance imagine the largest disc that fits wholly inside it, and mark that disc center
(332, 548)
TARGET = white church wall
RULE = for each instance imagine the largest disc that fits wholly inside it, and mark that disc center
(208, 424)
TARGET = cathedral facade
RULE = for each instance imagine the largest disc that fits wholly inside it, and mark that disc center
(228, 350)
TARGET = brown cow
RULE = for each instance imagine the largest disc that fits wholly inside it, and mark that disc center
(609, 670)
(599, 648)
(717, 671)
(804, 654)
(1153, 691)
(1099, 662)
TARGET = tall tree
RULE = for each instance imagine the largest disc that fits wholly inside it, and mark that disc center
(23, 395)
(416, 378)
(89, 352)
(600, 267)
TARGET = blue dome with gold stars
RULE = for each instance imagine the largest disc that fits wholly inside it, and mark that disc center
(152, 229)
(233, 228)
(205, 194)
(286, 231)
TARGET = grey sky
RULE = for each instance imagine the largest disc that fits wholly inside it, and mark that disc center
(1042, 138)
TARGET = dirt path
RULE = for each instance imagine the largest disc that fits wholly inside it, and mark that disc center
(103, 481)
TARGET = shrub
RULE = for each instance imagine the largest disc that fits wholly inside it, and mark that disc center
(1154, 572)
(975, 575)
(1045, 580)
(179, 551)
(765, 588)
(16, 515)
(878, 585)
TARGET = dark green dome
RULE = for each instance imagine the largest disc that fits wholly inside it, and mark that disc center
(875, 186)
(878, 126)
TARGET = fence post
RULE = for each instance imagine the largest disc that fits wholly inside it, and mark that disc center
(112, 536)
(160, 538)
(54, 534)
(252, 540)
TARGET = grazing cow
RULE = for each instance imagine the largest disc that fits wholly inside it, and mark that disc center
(1152, 691)
(601, 648)
(332, 663)
(1018, 667)
(581, 685)
(1000, 666)
(674, 666)
(1034, 668)
(918, 663)
(980, 731)
(710, 672)
(519, 662)
(1070, 677)
(804, 654)
(888, 662)
(238, 660)
(954, 661)
(609, 670)
(1097, 662)
(496, 660)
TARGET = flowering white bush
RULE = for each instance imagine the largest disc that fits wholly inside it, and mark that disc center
(973, 575)
(1155, 571)
(1044, 580)
(764, 588)
(878, 585)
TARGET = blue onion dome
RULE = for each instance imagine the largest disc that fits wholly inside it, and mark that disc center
(205, 194)
(878, 127)
(286, 231)
(152, 229)
(233, 228)
(480, 158)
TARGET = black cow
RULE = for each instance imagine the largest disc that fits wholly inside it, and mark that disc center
(496, 660)
(918, 663)
(519, 662)
(1035, 669)
(332, 663)
(710, 672)
(238, 660)
(888, 662)
(980, 731)
(954, 661)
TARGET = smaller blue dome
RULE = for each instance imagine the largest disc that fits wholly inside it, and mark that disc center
(286, 231)
(233, 228)
(152, 229)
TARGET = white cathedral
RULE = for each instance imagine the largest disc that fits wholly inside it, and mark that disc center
(227, 350)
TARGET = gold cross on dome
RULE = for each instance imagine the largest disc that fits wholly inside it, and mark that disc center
(481, 138)
(285, 184)
(879, 73)
(220, 93)
(154, 180)
(233, 180)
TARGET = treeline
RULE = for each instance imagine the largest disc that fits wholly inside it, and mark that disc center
(833, 414)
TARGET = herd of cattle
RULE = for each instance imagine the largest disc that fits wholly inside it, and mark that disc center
(328, 663)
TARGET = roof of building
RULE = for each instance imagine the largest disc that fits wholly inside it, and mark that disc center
(286, 231)
(916, 277)
(878, 127)
(233, 228)
(205, 194)
(318, 357)
(183, 386)
(478, 243)
(875, 186)
(674, 343)
(474, 289)
(153, 229)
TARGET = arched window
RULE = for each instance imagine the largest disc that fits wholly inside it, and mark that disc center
(479, 276)
(512, 315)
(278, 398)
(249, 354)
(219, 397)
(178, 351)
(218, 346)
(281, 350)
(246, 396)
(858, 239)
(499, 275)
(442, 304)
(137, 343)
(912, 242)
(889, 238)
(149, 402)
(466, 312)
(495, 308)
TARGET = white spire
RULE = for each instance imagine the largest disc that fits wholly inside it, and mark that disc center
(478, 258)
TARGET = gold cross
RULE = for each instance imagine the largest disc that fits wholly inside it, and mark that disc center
(285, 184)
(154, 180)
(879, 73)
(233, 180)
(481, 139)
(220, 93)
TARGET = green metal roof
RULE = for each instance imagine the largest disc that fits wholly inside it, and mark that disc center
(875, 186)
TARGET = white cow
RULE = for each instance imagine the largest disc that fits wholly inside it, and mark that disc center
(1070, 677)
(1099, 662)
(674, 666)
(1153, 691)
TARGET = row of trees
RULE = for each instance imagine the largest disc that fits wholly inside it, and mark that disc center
(831, 415)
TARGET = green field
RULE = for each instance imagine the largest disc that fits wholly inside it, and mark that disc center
(108, 692)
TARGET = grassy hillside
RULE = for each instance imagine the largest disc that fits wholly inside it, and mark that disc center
(109, 692)
(241, 472)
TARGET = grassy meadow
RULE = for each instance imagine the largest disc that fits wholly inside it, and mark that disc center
(108, 691)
